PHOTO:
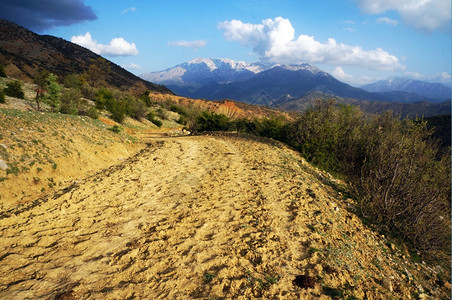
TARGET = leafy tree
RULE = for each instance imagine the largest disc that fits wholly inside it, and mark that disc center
(97, 72)
(73, 81)
(41, 81)
(14, 89)
(52, 98)
(104, 96)
(138, 89)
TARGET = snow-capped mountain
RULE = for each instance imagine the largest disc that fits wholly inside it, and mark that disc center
(267, 83)
(204, 70)
(201, 77)
(423, 88)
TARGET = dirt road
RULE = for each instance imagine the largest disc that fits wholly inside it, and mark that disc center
(191, 217)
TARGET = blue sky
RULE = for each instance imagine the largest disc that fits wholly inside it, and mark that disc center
(357, 41)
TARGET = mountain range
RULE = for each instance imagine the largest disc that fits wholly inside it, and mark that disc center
(24, 53)
(423, 88)
(270, 84)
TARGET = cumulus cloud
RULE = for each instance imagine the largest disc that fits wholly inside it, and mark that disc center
(341, 75)
(132, 66)
(275, 40)
(388, 21)
(188, 44)
(414, 75)
(130, 9)
(117, 46)
(443, 77)
(426, 15)
(45, 14)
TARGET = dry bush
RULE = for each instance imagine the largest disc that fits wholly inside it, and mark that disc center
(391, 164)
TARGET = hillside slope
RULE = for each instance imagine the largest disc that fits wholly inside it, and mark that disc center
(25, 53)
(204, 217)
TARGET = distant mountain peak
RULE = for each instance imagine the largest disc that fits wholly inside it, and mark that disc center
(205, 69)
(399, 84)
(219, 70)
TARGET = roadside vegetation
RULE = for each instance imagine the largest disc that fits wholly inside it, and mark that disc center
(397, 169)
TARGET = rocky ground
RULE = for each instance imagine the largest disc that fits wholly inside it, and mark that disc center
(208, 217)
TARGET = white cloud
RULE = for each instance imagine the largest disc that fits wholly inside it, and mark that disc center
(341, 75)
(388, 21)
(443, 77)
(130, 9)
(349, 29)
(132, 66)
(426, 15)
(414, 75)
(188, 44)
(275, 40)
(117, 46)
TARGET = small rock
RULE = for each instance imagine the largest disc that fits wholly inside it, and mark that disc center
(4, 146)
(3, 165)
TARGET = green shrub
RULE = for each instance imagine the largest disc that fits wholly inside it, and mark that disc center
(137, 109)
(182, 120)
(270, 127)
(157, 122)
(92, 113)
(178, 109)
(52, 97)
(402, 186)
(14, 89)
(161, 113)
(118, 109)
(70, 101)
(152, 117)
(73, 81)
(391, 164)
(210, 121)
(328, 136)
(115, 129)
(89, 92)
(104, 98)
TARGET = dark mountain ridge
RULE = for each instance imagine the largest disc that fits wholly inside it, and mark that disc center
(25, 53)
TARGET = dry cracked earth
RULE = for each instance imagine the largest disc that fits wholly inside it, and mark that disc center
(209, 217)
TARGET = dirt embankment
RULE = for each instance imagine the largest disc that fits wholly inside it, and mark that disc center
(200, 217)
